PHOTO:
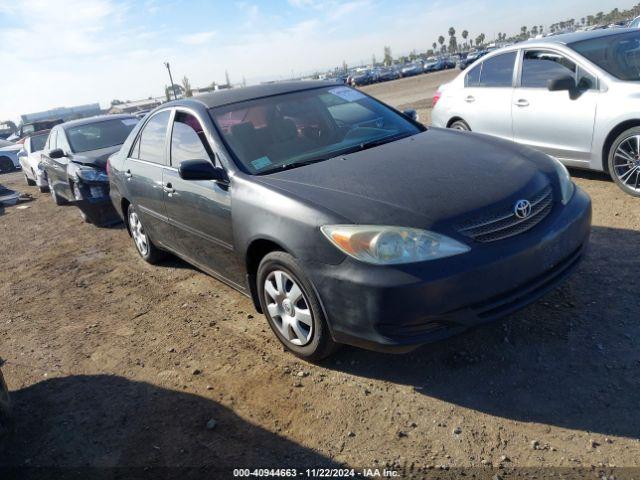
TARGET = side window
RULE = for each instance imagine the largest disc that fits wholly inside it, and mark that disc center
(585, 80)
(473, 77)
(498, 71)
(539, 66)
(52, 139)
(187, 140)
(61, 141)
(152, 138)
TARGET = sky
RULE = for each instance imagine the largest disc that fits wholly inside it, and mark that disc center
(57, 53)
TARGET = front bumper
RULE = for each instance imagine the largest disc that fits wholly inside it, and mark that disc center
(398, 308)
(93, 199)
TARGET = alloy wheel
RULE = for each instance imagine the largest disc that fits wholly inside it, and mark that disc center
(138, 234)
(288, 308)
(626, 162)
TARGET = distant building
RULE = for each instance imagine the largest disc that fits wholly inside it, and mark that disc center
(137, 105)
(65, 113)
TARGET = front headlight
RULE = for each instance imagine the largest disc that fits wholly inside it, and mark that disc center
(566, 185)
(381, 245)
(88, 174)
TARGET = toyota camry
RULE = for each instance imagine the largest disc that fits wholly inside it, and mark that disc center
(344, 220)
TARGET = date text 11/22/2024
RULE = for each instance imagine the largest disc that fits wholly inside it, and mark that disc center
(316, 472)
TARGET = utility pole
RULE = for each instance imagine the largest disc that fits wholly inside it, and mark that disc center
(166, 64)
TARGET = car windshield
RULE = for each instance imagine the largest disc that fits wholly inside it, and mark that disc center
(97, 135)
(617, 54)
(294, 129)
(38, 141)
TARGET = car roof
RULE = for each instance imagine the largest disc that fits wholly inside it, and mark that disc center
(235, 95)
(567, 38)
(96, 119)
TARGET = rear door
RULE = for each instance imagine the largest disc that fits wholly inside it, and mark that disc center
(487, 97)
(199, 211)
(558, 123)
(143, 174)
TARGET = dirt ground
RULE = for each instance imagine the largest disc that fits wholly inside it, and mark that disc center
(113, 362)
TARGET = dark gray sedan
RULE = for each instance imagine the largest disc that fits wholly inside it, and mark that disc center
(74, 161)
(345, 220)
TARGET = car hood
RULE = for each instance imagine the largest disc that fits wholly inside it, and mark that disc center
(421, 181)
(11, 148)
(96, 158)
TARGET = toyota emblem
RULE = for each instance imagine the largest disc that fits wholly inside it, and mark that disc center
(522, 208)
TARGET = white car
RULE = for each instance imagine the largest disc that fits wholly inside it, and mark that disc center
(9, 156)
(574, 96)
(30, 157)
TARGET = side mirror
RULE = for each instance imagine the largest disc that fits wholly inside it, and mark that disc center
(56, 153)
(561, 83)
(412, 114)
(200, 170)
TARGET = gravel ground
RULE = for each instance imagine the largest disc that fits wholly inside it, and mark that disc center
(113, 362)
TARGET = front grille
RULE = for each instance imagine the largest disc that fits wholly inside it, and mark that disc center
(504, 224)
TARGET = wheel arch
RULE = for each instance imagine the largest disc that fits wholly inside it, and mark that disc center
(256, 251)
(455, 119)
(124, 207)
(613, 134)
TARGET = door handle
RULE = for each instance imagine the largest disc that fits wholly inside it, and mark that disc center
(522, 103)
(470, 99)
(128, 174)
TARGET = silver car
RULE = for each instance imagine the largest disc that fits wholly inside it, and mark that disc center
(574, 96)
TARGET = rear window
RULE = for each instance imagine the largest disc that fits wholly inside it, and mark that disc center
(97, 135)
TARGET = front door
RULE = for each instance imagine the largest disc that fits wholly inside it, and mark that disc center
(558, 123)
(57, 167)
(199, 211)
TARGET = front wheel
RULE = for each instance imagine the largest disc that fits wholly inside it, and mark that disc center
(145, 247)
(28, 181)
(292, 307)
(624, 161)
(460, 125)
(57, 199)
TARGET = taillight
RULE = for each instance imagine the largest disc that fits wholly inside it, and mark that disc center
(436, 97)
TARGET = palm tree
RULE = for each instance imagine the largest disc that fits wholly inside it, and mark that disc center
(453, 44)
(441, 42)
(435, 46)
(465, 34)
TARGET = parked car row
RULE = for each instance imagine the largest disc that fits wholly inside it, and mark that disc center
(573, 96)
(383, 74)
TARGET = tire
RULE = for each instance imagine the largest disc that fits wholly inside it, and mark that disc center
(299, 322)
(144, 246)
(460, 125)
(84, 217)
(44, 189)
(624, 161)
(6, 165)
(57, 199)
(28, 181)
(6, 424)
